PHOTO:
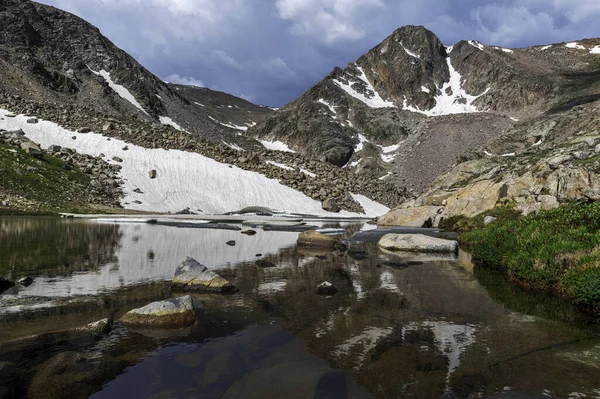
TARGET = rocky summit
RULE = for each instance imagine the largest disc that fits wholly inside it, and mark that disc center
(436, 118)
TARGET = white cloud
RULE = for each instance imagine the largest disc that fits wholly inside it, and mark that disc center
(329, 21)
(184, 80)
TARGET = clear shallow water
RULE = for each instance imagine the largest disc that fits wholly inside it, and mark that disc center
(437, 329)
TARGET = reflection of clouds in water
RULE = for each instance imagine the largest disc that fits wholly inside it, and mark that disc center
(152, 252)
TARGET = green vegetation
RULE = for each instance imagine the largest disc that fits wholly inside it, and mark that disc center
(556, 250)
(462, 224)
(48, 185)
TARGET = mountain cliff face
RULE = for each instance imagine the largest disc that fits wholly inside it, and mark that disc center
(411, 108)
(48, 55)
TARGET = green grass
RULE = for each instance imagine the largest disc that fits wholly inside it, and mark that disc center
(463, 224)
(556, 250)
(48, 182)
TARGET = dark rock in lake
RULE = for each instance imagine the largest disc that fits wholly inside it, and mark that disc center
(249, 232)
(340, 246)
(357, 254)
(26, 281)
(290, 229)
(152, 174)
(231, 243)
(396, 263)
(264, 263)
(326, 288)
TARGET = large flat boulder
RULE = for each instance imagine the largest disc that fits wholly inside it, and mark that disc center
(193, 276)
(313, 238)
(420, 216)
(170, 313)
(417, 243)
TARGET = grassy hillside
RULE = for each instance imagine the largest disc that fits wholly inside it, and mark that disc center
(46, 185)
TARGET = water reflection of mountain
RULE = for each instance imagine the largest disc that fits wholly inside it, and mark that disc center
(31, 246)
(147, 253)
(427, 329)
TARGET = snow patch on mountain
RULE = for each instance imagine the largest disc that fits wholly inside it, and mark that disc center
(229, 125)
(575, 45)
(233, 146)
(331, 108)
(595, 50)
(544, 48)
(371, 98)
(165, 120)
(276, 146)
(476, 44)
(410, 52)
(224, 188)
(458, 102)
(120, 90)
(280, 165)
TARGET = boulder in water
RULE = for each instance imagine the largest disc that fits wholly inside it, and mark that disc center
(313, 238)
(170, 313)
(192, 276)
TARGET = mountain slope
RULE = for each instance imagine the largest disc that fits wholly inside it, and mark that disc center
(411, 107)
(48, 55)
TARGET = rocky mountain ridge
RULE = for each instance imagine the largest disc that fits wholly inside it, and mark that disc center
(411, 108)
(48, 55)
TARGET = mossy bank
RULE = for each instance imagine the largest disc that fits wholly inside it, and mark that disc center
(556, 250)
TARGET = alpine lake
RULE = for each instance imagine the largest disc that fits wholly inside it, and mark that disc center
(401, 325)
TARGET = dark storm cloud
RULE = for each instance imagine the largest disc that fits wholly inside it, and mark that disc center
(270, 51)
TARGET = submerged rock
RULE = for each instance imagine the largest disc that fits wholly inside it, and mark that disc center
(249, 232)
(174, 312)
(264, 263)
(193, 276)
(231, 243)
(26, 281)
(315, 239)
(417, 243)
(326, 288)
(98, 327)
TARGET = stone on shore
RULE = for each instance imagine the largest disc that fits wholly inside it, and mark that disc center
(193, 276)
(417, 243)
(422, 216)
(170, 313)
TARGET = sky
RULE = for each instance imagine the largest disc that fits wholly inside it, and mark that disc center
(271, 51)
